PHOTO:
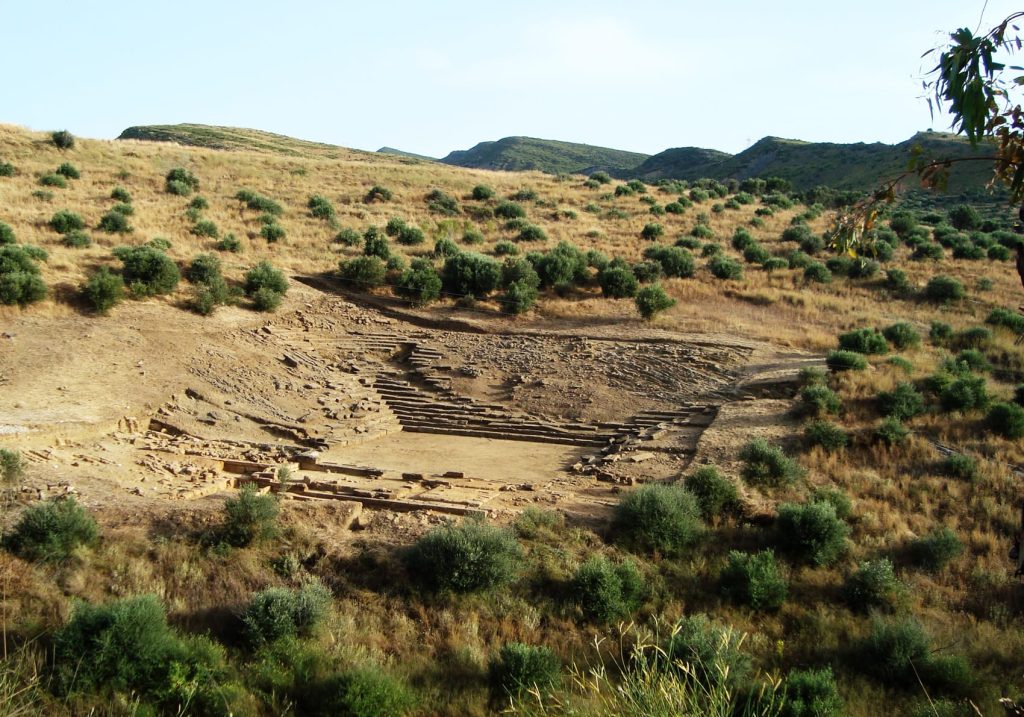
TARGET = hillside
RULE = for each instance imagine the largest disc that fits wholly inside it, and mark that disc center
(402, 153)
(234, 138)
(857, 166)
(517, 154)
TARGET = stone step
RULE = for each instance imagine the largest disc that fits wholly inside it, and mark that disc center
(502, 435)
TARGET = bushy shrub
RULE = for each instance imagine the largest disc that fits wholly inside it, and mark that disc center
(652, 300)
(927, 250)
(775, 263)
(114, 223)
(702, 231)
(933, 551)
(818, 273)
(229, 242)
(899, 653)
(836, 498)
(710, 650)
(121, 194)
(6, 169)
(103, 290)
(463, 558)
(12, 466)
(470, 275)
(69, 171)
(147, 270)
(363, 272)
(997, 252)
(348, 237)
(741, 239)
(20, 282)
(204, 269)
(445, 247)
(845, 361)
(505, 248)
(605, 591)
(265, 299)
(943, 289)
(652, 231)
(716, 495)
(6, 234)
(361, 692)
(966, 393)
(972, 360)
(519, 297)
(964, 217)
(277, 613)
(509, 210)
(320, 207)
(863, 341)
(675, 261)
(873, 586)
(896, 280)
(817, 400)
(755, 254)
(1006, 420)
(811, 693)
(181, 182)
(901, 335)
(64, 222)
(647, 271)
(442, 203)
(481, 192)
(53, 180)
(531, 232)
(825, 434)
(754, 580)
(722, 267)
(618, 281)
(272, 232)
(1007, 319)
(375, 243)
(123, 208)
(902, 403)
(657, 518)
(420, 283)
(891, 431)
(975, 337)
(51, 531)
(62, 139)
(265, 276)
(766, 465)
(205, 228)
(378, 193)
(249, 517)
(519, 668)
(812, 532)
(958, 465)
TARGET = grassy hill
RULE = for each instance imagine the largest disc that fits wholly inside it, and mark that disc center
(808, 164)
(518, 154)
(402, 153)
(235, 138)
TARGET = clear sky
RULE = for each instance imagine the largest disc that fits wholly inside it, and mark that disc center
(430, 77)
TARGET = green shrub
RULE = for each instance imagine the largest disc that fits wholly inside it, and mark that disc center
(378, 193)
(69, 171)
(657, 518)
(891, 432)
(265, 299)
(348, 237)
(272, 232)
(1006, 420)
(277, 613)
(205, 228)
(812, 532)
(899, 653)
(506, 248)
(873, 586)
(605, 591)
(754, 580)
(896, 280)
(123, 208)
(197, 204)
(901, 335)
(120, 194)
(519, 668)
(53, 180)
(997, 252)
(976, 337)
(1007, 319)
(463, 558)
(675, 261)
(444, 248)
(442, 203)
(818, 273)
(147, 270)
(958, 465)
(64, 222)
(12, 467)
(811, 693)
(76, 240)
(839, 265)
(927, 250)
(652, 300)
(265, 276)
(811, 244)
(618, 282)
(531, 232)
(52, 531)
(944, 289)
(62, 139)
(836, 498)
(320, 207)
(420, 284)
(756, 254)
(363, 272)
(103, 290)
(722, 267)
(180, 185)
(817, 400)
(711, 651)
(863, 341)
(6, 169)
(6, 234)
(482, 192)
(519, 297)
(20, 282)
(652, 231)
(114, 223)
(647, 271)
(775, 263)
(702, 231)
(767, 465)
(535, 522)
(229, 242)
(715, 494)
(972, 360)
(902, 403)
(845, 361)
(933, 551)
(249, 517)
(470, 275)
(964, 217)
(204, 269)
(967, 393)
(825, 434)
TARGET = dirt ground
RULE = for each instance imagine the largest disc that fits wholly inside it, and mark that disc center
(156, 409)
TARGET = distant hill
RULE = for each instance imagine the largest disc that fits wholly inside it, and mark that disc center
(235, 138)
(809, 164)
(516, 154)
(401, 153)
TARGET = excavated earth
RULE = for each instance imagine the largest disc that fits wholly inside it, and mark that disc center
(384, 422)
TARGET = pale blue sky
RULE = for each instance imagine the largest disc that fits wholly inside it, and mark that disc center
(431, 77)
